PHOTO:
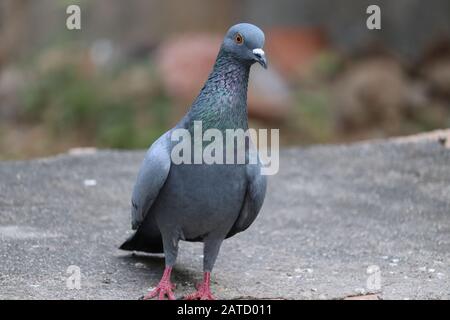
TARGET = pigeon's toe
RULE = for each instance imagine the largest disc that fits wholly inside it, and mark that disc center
(200, 294)
(164, 289)
(203, 291)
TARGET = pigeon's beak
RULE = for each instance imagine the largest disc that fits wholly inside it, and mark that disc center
(260, 57)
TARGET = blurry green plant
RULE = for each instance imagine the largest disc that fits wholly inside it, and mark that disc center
(312, 116)
(71, 102)
(327, 64)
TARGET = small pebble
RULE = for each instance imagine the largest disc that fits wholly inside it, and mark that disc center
(90, 183)
(360, 291)
(392, 264)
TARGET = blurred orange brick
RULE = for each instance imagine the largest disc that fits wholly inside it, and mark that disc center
(292, 49)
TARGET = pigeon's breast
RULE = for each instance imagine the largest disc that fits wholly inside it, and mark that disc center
(200, 199)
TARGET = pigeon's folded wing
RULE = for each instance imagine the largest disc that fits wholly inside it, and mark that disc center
(151, 178)
(253, 201)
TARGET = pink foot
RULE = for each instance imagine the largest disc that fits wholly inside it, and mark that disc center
(164, 288)
(203, 290)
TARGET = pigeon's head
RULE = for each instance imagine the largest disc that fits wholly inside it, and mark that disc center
(245, 41)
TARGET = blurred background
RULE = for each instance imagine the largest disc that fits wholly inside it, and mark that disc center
(135, 66)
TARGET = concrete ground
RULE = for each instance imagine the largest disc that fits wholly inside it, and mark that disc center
(370, 220)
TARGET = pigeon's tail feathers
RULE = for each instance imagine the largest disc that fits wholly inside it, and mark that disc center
(139, 242)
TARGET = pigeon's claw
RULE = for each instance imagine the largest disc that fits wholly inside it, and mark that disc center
(203, 290)
(163, 289)
(200, 295)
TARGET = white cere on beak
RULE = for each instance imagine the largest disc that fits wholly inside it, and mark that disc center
(258, 52)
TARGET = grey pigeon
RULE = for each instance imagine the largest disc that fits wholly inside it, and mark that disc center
(201, 202)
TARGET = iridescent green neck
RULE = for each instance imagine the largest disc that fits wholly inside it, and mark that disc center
(222, 102)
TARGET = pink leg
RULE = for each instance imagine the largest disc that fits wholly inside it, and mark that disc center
(203, 290)
(164, 288)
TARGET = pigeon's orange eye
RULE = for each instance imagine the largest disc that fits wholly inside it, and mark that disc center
(238, 38)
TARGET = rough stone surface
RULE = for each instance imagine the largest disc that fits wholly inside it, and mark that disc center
(330, 214)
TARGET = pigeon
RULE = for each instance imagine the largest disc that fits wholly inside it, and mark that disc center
(206, 202)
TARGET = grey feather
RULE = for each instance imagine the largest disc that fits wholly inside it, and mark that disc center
(254, 198)
(151, 177)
